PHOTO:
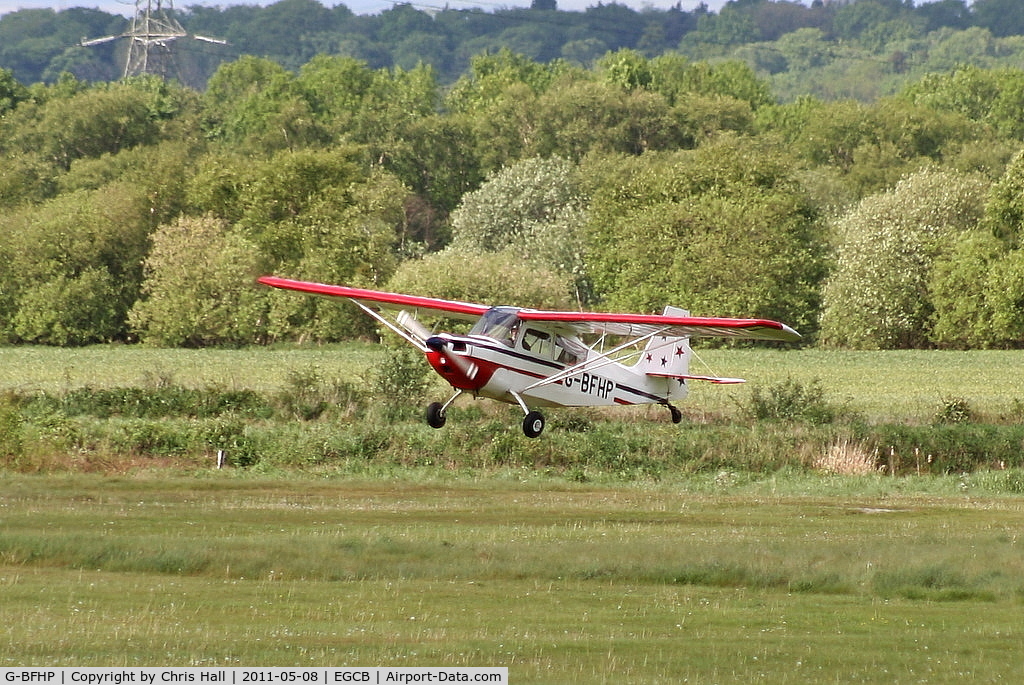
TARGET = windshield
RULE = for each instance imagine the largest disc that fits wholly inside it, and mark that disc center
(500, 323)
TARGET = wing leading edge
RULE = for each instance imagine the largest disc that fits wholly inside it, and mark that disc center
(377, 298)
(629, 325)
(672, 326)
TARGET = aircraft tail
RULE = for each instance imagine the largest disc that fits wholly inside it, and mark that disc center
(666, 355)
(669, 357)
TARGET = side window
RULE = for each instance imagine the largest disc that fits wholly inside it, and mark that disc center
(568, 353)
(539, 343)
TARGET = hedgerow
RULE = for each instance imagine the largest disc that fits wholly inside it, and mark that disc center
(107, 429)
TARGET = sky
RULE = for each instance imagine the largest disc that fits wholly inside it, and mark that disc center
(127, 7)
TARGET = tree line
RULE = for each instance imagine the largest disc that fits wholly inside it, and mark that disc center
(142, 210)
(860, 49)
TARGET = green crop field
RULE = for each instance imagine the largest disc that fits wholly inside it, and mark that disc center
(909, 383)
(578, 557)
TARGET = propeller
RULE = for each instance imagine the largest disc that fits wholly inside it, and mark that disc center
(440, 345)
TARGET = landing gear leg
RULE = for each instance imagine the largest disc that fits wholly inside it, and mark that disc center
(437, 412)
(533, 424)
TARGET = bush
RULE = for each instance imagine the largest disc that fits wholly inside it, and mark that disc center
(153, 403)
(878, 294)
(199, 287)
(791, 400)
(498, 278)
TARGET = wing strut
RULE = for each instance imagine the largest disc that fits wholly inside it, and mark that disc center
(418, 344)
(604, 359)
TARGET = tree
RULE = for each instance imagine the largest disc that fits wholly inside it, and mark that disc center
(272, 32)
(1001, 17)
(11, 92)
(199, 287)
(878, 295)
(533, 211)
(627, 69)
(587, 116)
(71, 310)
(491, 75)
(335, 86)
(256, 103)
(960, 291)
(317, 215)
(1004, 213)
(95, 121)
(500, 278)
(723, 230)
(989, 96)
(72, 265)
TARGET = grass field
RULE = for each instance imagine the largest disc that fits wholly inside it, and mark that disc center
(754, 582)
(713, 576)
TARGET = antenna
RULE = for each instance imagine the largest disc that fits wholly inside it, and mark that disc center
(152, 32)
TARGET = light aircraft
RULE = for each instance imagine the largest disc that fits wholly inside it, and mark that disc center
(536, 358)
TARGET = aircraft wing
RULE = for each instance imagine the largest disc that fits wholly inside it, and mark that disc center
(639, 325)
(376, 299)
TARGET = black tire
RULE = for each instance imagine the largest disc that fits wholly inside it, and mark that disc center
(435, 416)
(533, 424)
(677, 415)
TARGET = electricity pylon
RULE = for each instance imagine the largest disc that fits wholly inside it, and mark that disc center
(153, 30)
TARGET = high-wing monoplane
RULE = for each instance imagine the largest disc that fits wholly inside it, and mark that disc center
(535, 358)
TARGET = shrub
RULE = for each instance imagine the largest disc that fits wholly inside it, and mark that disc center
(199, 287)
(877, 296)
(954, 410)
(791, 400)
(11, 432)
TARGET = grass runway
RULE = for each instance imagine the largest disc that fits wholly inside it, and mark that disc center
(785, 579)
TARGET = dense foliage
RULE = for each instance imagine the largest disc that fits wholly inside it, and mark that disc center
(831, 49)
(141, 209)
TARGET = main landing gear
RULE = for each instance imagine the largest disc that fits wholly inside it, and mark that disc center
(437, 412)
(533, 423)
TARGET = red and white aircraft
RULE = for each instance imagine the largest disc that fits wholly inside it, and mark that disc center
(536, 358)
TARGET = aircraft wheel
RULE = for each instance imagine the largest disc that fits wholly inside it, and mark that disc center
(533, 424)
(677, 415)
(435, 416)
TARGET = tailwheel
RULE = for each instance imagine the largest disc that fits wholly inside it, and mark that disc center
(436, 416)
(533, 424)
(677, 415)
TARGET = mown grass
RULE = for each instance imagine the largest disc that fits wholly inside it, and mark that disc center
(730, 580)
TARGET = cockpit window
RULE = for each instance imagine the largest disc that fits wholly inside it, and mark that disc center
(570, 352)
(538, 342)
(498, 323)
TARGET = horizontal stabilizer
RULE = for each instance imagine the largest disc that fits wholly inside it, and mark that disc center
(710, 379)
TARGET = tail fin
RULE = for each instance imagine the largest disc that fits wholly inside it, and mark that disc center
(670, 357)
(665, 355)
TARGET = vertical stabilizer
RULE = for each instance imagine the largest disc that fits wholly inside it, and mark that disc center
(666, 355)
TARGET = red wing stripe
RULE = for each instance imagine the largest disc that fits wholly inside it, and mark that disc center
(386, 299)
(615, 323)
